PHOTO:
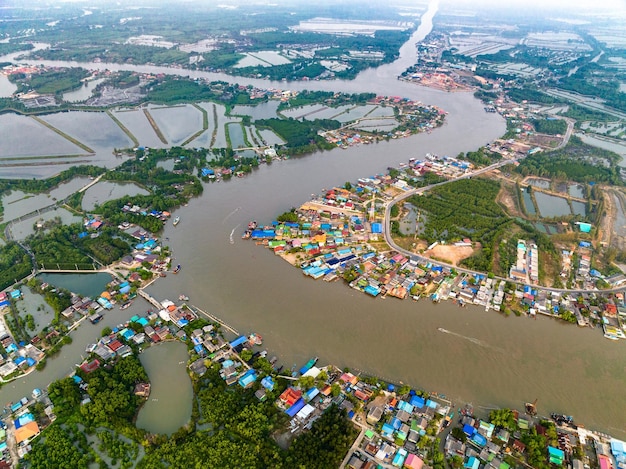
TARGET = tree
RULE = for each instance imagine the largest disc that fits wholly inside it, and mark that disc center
(459, 434)
(503, 418)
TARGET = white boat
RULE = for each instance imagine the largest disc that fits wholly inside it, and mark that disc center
(176, 221)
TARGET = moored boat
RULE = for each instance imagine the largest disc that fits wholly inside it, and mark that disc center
(309, 365)
(177, 269)
(183, 298)
(255, 339)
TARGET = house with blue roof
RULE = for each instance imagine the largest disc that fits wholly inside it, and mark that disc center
(405, 406)
(399, 458)
(387, 431)
(248, 378)
(472, 463)
(268, 383)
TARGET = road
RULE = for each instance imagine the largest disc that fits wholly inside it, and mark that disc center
(421, 190)
(568, 133)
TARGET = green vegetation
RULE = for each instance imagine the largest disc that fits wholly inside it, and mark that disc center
(481, 157)
(117, 53)
(59, 448)
(51, 81)
(593, 80)
(464, 209)
(581, 113)
(15, 264)
(550, 126)
(10, 47)
(576, 162)
(301, 136)
(43, 185)
(290, 216)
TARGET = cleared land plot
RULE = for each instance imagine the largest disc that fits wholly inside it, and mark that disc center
(94, 129)
(177, 123)
(450, 253)
(137, 124)
(22, 136)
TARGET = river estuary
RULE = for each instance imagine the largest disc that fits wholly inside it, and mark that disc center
(483, 357)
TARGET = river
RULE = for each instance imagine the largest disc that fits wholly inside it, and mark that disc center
(486, 359)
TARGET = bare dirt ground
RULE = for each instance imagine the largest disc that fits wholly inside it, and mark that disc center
(506, 199)
(450, 253)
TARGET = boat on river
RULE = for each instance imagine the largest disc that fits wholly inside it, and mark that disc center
(95, 319)
(183, 298)
(176, 221)
(308, 365)
(126, 305)
(177, 269)
(562, 419)
(255, 339)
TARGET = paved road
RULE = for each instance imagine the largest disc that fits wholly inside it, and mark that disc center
(412, 255)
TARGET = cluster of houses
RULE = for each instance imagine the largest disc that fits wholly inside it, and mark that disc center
(23, 425)
(483, 445)
(398, 424)
(18, 357)
(334, 234)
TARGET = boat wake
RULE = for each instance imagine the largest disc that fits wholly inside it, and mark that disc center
(231, 214)
(232, 240)
(473, 340)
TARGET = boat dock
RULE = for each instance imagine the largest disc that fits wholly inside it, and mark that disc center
(215, 319)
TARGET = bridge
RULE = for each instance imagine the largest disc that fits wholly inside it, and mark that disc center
(153, 301)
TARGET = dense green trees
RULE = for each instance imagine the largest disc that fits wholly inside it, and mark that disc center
(576, 162)
(65, 396)
(300, 134)
(51, 81)
(550, 126)
(325, 445)
(15, 264)
(58, 450)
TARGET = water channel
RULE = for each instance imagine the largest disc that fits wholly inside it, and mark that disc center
(486, 359)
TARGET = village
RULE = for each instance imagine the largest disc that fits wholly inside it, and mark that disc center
(340, 234)
(398, 426)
